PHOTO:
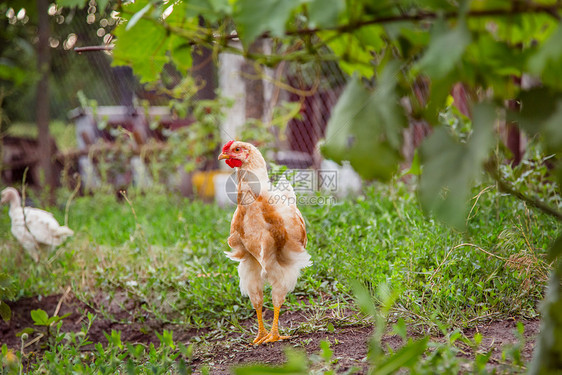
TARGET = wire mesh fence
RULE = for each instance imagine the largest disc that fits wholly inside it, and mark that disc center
(107, 102)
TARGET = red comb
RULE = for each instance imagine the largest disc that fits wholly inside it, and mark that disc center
(227, 146)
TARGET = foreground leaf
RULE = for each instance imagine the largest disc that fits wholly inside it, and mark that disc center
(454, 42)
(5, 311)
(210, 10)
(72, 3)
(148, 54)
(366, 127)
(137, 16)
(407, 356)
(555, 249)
(537, 106)
(296, 364)
(145, 55)
(450, 167)
(547, 358)
(547, 62)
(253, 18)
(363, 299)
(324, 13)
(541, 113)
(356, 50)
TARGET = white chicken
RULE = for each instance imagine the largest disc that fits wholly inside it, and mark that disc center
(32, 227)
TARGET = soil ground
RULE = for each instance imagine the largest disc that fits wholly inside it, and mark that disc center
(348, 343)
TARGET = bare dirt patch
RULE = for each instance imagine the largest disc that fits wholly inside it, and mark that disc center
(348, 343)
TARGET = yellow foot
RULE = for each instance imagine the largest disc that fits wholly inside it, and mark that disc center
(271, 337)
(261, 335)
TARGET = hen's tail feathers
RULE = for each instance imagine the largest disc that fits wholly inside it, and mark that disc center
(302, 259)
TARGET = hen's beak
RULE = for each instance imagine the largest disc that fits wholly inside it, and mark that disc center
(224, 156)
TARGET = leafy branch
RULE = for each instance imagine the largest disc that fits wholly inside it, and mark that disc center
(208, 37)
(506, 187)
(517, 8)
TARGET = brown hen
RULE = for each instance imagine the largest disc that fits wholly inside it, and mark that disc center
(267, 234)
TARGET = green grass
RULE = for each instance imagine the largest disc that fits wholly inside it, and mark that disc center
(164, 255)
(167, 252)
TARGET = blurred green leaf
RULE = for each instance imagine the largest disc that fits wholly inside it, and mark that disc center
(27, 330)
(179, 48)
(406, 356)
(102, 4)
(547, 61)
(452, 43)
(498, 57)
(490, 4)
(6, 286)
(324, 13)
(415, 166)
(537, 106)
(137, 16)
(552, 133)
(9, 72)
(253, 18)
(148, 55)
(296, 364)
(547, 358)
(5, 311)
(366, 127)
(7, 292)
(526, 30)
(180, 53)
(400, 329)
(450, 167)
(327, 352)
(145, 55)
(72, 3)
(364, 299)
(439, 92)
(356, 50)
(210, 10)
(555, 249)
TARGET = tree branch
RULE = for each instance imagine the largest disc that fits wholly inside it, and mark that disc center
(517, 8)
(506, 187)
(207, 36)
(103, 47)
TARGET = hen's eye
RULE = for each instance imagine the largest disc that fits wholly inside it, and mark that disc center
(237, 149)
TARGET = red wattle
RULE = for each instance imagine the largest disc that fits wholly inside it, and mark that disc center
(233, 163)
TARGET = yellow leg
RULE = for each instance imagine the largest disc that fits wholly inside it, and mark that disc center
(261, 329)
(274, 333)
